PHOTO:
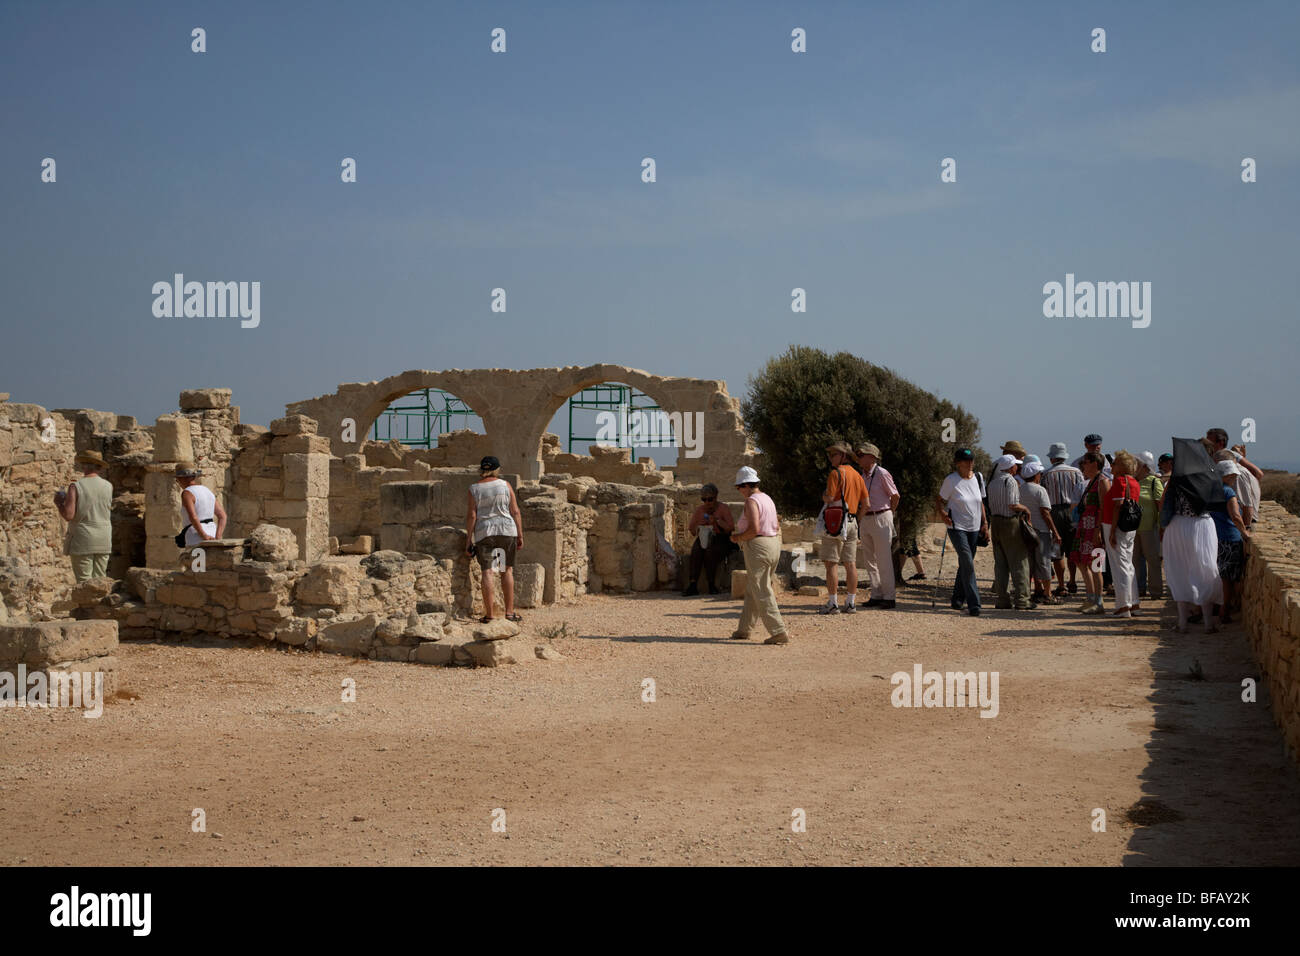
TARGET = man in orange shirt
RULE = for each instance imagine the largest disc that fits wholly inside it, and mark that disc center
(844, 488)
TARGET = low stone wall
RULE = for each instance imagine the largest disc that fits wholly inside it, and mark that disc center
(1271, 605)
(606, 463)
(56, 647)
(385, 606)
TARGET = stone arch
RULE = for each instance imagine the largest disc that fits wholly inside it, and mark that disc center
(516, 406)
(364, 402)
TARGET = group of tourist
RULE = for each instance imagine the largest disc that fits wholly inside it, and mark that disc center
(1182, 517)
(1125, 523)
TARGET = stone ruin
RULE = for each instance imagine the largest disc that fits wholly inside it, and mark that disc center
(353, 546)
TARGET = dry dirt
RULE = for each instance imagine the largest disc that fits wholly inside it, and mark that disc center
(1093, 714)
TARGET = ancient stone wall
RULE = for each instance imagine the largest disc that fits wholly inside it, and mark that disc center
(516, 407)
(282, 477)
(1271, 609)
(385, 606)
(606, 463)
(37, 448)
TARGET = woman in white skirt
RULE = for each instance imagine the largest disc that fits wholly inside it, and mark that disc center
(1190, 545)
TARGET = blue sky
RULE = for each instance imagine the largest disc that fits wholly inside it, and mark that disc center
(775, 170)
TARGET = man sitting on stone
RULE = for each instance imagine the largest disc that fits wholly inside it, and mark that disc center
(712, 525)
(87, 506)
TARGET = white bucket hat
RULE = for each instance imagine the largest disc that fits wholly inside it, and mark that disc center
(746, 475)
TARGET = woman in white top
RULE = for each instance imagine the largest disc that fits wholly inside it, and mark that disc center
(495, 531)
(204, 517)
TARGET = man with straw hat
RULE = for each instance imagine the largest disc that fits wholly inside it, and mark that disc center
(87, 506)
(843, 501)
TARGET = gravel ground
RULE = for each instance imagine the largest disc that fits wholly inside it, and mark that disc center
(1092, 714)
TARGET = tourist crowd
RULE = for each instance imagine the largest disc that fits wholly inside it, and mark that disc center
(1123, 524)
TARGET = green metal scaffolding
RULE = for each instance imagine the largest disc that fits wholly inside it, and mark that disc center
(609, 397)
(421, 417)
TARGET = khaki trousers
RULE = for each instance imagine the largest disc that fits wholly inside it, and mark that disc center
(876, 532)
(87, 566)
(761, 556)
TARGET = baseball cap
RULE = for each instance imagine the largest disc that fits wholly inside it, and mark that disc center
(1031, 468)
(963, 454)
(1148, 459)
(1007, 461)
(489, 463)
(1227, 468)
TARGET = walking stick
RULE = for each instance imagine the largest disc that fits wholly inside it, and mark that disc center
(939, 576)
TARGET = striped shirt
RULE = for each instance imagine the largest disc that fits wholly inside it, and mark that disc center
(1064, 484)
(1003, 494)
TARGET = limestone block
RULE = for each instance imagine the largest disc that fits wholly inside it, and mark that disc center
(440, 655)
(499, 629)
(546, 653)
(269, 542)
(332, 584)
(306, 476)
(296, 631)
(171, 439)
(92, 592)
(738, 583)
(279, 508)
(443, 541)
(141, 582)
(51, 642)
(197, 399)
(362, 544)
(265, 487)
(530, 585)
(493, 653)
(384, 565)
(293, 425)
(258, 601)
(312, 533)
(348, 637)
(300, 445)
(409, 502)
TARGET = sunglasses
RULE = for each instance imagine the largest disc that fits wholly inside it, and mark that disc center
(708, 500)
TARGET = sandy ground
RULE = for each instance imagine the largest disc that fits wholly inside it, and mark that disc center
(1092, 714)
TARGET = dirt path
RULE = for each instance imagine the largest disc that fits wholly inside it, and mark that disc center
(1091, 714)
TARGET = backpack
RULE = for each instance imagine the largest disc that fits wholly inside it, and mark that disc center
(1129, 513)
(834, 515)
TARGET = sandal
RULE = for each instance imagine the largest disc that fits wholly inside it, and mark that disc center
(514, 617)
(918, 576)
(485, 620)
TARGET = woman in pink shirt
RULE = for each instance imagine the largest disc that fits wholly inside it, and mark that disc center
(759, 533)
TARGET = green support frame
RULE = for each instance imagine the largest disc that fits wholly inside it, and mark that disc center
(610, 397)
(428, 412)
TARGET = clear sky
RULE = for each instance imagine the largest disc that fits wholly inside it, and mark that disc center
(775, 170)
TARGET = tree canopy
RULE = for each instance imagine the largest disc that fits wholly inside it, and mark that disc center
(806, 399)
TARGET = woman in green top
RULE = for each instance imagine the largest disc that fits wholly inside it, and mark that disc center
(1146, 548)
(87, 506)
